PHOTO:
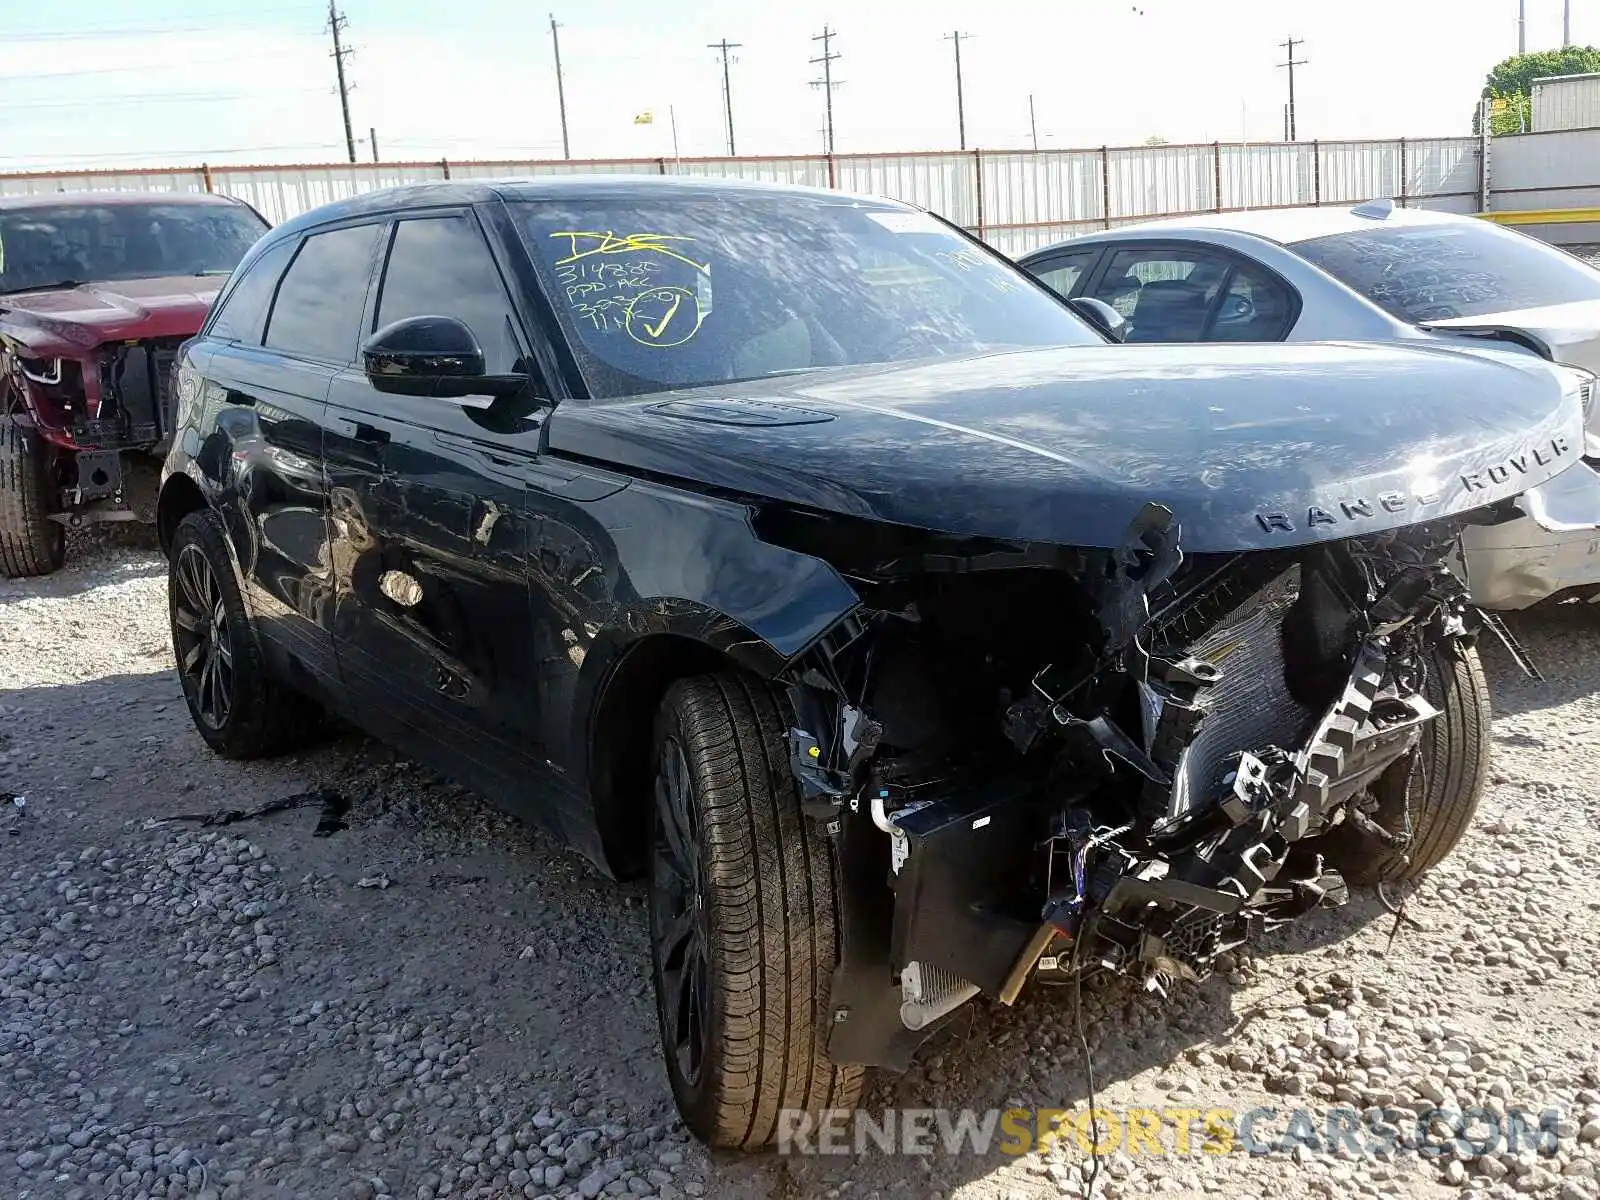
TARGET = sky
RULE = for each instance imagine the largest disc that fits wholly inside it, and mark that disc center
(116, 83)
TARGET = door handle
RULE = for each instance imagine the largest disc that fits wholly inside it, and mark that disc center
(362, 431)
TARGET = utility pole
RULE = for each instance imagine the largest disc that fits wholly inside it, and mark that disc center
(336, 26)
(727, 89)
(1033, 125)
(1292, 63)
(1566, 24)
(561, 89)
(961, 100)
(826, 83)
(1522, 26)
(372, 137)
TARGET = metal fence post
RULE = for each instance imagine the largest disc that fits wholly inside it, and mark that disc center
(832, 180)
(444, 165)
(1105, 187)
(1216, 175)
(1404, 175)
(661, 165)
(977, 178)
(205, 175)
(1316, 172)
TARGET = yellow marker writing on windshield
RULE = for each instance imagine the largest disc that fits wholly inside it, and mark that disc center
(582, 243)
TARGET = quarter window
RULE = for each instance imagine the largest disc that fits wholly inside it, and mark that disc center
(440, 266)
(318, 310)
(243, 311)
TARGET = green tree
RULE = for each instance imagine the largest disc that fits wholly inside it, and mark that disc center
(1512, 82)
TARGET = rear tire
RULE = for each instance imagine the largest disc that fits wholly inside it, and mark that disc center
(237, 707)
(743, 920)
(30, 542)
(1443, 779)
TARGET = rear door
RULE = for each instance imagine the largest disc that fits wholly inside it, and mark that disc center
(430, 530)
(283, 332)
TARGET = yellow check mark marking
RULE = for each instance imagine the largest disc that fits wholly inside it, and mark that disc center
(655, 331)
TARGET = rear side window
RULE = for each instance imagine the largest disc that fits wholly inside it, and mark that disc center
(1183, 294)
(1435, 272)
(243, 312)
(319, 305)
(441, 267)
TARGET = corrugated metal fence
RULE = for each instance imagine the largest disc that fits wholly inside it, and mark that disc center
(1016, 200)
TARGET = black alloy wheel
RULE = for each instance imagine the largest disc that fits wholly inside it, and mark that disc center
(203, 638)
(678, 916)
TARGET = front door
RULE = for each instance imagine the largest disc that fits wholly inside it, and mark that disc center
(430, 531)
(269, 375)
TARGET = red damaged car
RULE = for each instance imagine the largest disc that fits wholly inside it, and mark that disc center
(97, 292)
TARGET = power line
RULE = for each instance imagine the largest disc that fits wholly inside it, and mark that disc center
(561, 89)
(92, 33)
(727, 88)
(336, 26)
(961, 102)
(156, 98)
(148, 68)
(827, 83)
(1291, 132)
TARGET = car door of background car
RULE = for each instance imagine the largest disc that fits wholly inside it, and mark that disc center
(430, 526)
(275, 344)
(1175, 291)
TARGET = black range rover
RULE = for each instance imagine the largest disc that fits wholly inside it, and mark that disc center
(798, 551)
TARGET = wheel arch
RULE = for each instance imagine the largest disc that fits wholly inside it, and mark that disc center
(179, 497)
(617, 745)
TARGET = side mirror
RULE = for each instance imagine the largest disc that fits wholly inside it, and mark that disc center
(432, 356)
(1102, 316)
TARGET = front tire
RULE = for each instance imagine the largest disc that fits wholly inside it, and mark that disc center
(240, 710)
(743, 920)
(1442, 779)
(30, 542)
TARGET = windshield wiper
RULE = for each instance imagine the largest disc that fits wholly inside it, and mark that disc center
(54, 285)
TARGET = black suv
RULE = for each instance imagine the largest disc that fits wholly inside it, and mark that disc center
(800, 551)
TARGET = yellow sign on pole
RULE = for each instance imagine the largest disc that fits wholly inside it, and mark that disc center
(645, 118)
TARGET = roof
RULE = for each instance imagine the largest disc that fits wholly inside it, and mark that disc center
(37, 200)
(550, 187)
(1288, 225)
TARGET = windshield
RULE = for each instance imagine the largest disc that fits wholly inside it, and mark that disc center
(1435, 272)
(682, 291)
(101, 243)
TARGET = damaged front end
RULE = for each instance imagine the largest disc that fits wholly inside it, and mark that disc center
(1045, 761)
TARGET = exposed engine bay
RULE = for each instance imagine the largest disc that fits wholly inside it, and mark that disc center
(1039, 762)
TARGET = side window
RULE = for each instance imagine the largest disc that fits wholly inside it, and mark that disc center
(244, 309)
(1256, 308)
(440, 266)
(1164, 293)
(318, 310)
(1171, 294)
(1061, 272)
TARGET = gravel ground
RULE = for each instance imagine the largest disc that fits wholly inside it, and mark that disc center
(439, 1002)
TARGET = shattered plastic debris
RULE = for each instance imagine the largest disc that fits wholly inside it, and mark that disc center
(19, 809)
(334, 806)
(379, 881)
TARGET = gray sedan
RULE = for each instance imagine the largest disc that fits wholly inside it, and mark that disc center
(1374, 272)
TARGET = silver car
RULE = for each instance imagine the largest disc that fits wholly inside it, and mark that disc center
(1374, 272)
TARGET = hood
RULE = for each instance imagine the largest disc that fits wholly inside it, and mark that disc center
(1250, 446)
(1569, 333)
(69, 320)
